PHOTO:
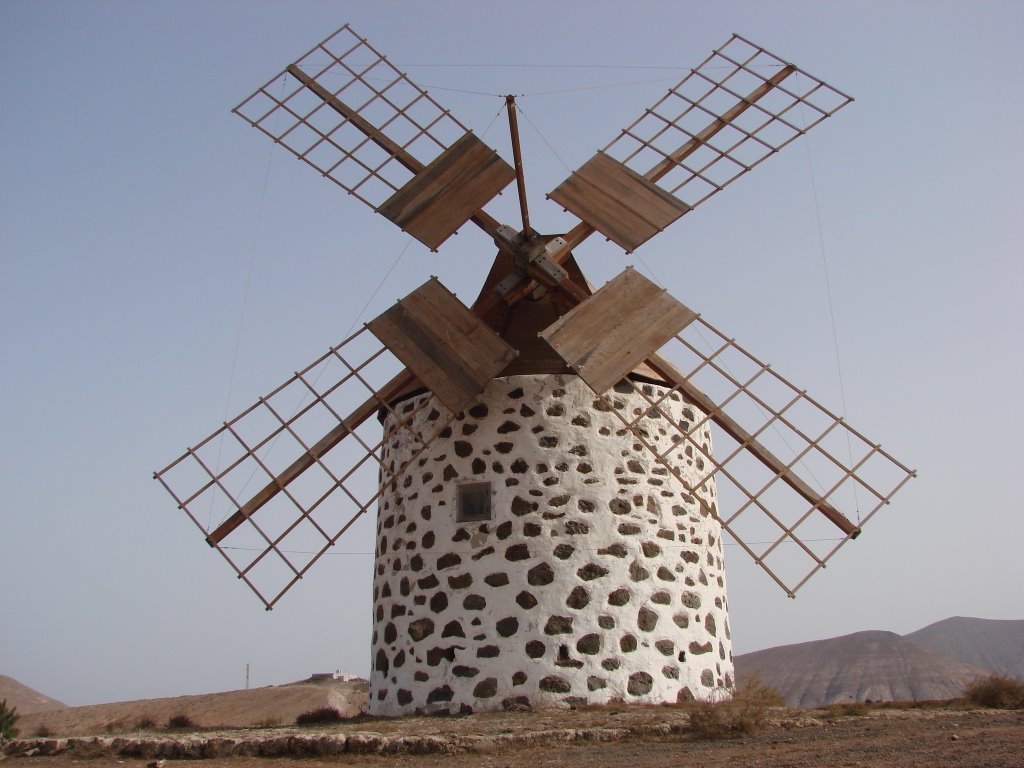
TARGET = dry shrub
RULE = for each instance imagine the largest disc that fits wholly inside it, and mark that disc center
(181, 721)
(746, 711)
(849, 709)
(997, 691)
(268, 722)
(119, 725)
(43, 731)
(322, 716)
(145, 723)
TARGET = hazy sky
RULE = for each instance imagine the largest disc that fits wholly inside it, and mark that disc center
(146, 233)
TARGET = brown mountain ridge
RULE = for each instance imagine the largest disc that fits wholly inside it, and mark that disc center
(875, 665)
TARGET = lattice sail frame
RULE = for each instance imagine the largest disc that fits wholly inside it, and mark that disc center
(275, 544)
(352, 70)
(698, 158)
(850, 472)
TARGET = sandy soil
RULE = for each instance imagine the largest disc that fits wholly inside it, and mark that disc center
(912, 738)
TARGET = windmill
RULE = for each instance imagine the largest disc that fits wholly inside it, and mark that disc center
(550, 512)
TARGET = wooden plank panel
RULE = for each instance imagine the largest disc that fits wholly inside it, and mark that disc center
(446, 194)
(479, 349)
(602, 212)
(605, 337)
(449, 349)
(646, 199)
(618, 202)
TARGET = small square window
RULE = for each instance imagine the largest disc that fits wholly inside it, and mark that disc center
(474, 502)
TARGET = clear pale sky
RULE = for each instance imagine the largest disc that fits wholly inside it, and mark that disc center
(145, 232)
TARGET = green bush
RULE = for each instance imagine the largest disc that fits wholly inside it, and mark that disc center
(997, 691)
(8, 717)
(322, 716)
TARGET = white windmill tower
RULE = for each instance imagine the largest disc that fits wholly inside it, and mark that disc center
(550, 513)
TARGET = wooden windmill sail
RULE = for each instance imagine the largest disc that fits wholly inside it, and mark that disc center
(290, 475)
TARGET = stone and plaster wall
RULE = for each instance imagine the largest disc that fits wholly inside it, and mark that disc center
(598, 577)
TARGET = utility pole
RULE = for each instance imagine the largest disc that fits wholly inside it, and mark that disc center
(247, 676)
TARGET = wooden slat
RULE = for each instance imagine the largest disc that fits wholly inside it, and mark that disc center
(308, 459)
(445, 194)
(618, 202)
(760, 452)
(449, 349)
(483, 220)
(605, 337)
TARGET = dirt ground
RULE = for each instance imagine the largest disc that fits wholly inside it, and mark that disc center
(911, 738)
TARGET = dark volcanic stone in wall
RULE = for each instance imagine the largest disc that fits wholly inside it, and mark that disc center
(521, 506)
(540, 575)
(438, 602)
(443, 693)
(616, 549)
(618, 597)
(564, 551)
(578, 598)
(436, 655)
(555, 684)
(595, 683)
(627, 643)
(507, 627)
(589, 644)
(620, 506)
(646, 619)
(558, 625)
(526, 600)
(486, 688)
(517, 552)
(460, 582)
(474, 603)
(637, 572)
(448, 561)
(709, 625)
(496, 579)
(420, 629)
(453, 629)
(535, 649)
(650, 549)
(591, 571)
(640, 683)
(488, 652)
(518, 678)
(461, 670)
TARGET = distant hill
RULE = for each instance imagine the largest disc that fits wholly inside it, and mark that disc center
(881, 666)
(26, 700)
(272, 705)
(993, 644)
